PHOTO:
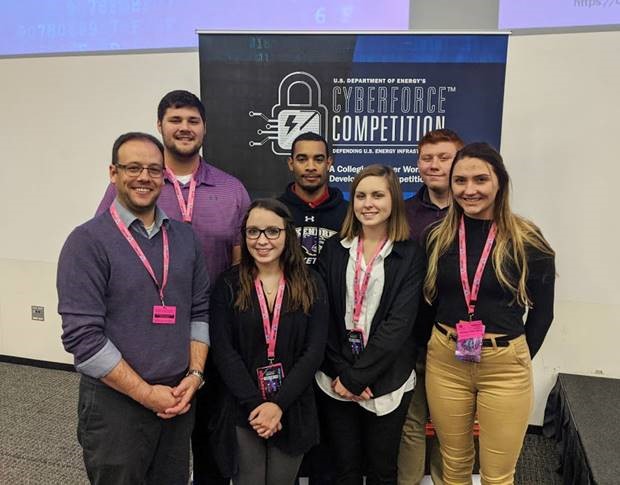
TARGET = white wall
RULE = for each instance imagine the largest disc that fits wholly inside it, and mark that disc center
(559, 139)
(61, 115)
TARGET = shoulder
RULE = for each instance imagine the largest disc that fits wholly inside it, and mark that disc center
(91, 240)
(406, 247)
(217, 176)
(411, 253)
(95, 229)
(228, 283)
(333, 245)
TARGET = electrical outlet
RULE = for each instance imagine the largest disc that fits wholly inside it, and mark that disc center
(37, 313)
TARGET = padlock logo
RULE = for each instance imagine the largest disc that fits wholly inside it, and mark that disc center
(299, 110)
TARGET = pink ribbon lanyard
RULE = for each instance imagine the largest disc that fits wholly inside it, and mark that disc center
(134, 245)
(359, 290)
(187, 211)
(270, 327)
(471, 295)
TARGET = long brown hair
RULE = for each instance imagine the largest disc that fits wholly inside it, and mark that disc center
(397, 227)
(514, 233)
(300, 289)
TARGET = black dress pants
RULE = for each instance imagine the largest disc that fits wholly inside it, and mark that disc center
(126, 444)
(362, 442)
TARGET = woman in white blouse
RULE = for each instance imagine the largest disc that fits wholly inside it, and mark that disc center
(373, 274)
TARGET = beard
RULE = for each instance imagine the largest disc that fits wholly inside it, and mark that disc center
(188, 153)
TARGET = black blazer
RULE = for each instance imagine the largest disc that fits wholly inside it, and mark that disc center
(388, 359)
(239, 349)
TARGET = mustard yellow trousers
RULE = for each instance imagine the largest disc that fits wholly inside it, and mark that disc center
(498, 388)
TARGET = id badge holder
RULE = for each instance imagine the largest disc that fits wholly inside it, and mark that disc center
(164, 315)
(270, 380)
(469, 336)
(356, 341)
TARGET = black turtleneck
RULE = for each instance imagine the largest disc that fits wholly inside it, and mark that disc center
(496, 306)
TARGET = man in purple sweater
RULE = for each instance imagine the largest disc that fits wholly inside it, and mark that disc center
(214, 203)
(133, 294)
(429, 205)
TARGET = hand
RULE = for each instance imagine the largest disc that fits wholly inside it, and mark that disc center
(342, 391)
(184, 392)
(366, 395)
(158, 398)
(265, 419)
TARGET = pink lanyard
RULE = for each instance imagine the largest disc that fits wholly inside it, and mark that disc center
(270, 328)
(359, 290)
(134, 245)
(187, 211)
(472, 295)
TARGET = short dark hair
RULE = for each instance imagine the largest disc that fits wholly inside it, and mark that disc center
(133, 135)
(310, 136)
(437, 136)
(180, 99)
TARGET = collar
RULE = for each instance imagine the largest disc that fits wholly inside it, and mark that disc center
(129, 219)
(425, 198)
(351, 245)
(315, 203)
(204, 174)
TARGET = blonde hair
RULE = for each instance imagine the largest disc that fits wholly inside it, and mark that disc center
(515, 234)
(398, 229)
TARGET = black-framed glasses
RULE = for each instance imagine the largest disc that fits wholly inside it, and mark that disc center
(135, 169)
(270, 232)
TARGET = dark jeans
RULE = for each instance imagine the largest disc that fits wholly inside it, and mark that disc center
(125, 443)
(364, 442)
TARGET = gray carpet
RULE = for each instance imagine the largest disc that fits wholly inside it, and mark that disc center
(38, 444)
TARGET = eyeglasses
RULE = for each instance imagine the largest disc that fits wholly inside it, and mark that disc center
(269, 232)
(135, 169)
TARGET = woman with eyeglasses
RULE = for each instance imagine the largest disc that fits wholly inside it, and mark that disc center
(374, 275)
(487, 267)
(268, 331)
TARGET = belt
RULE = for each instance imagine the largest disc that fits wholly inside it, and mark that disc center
(503, 341)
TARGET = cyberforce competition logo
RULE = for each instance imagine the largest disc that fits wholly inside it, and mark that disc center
(299, 110)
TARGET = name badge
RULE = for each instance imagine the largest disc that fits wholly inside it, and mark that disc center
(356, 341)
(469, 337)
(164, 315)
(270, 380)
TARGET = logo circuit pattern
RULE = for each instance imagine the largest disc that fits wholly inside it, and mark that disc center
(299, 110)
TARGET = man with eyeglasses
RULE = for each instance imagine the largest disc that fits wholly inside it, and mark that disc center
(214, 203)
(437, 150)
(133, 294)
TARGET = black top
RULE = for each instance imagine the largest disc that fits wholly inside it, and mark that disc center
(421, 213)
(496, 306)
(315, 224)
(239, 348)
(388, 359)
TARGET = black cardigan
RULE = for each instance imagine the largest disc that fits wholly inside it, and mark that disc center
(388, 359)
(238, 345)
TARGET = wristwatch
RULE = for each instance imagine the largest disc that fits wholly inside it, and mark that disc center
(197, 373)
